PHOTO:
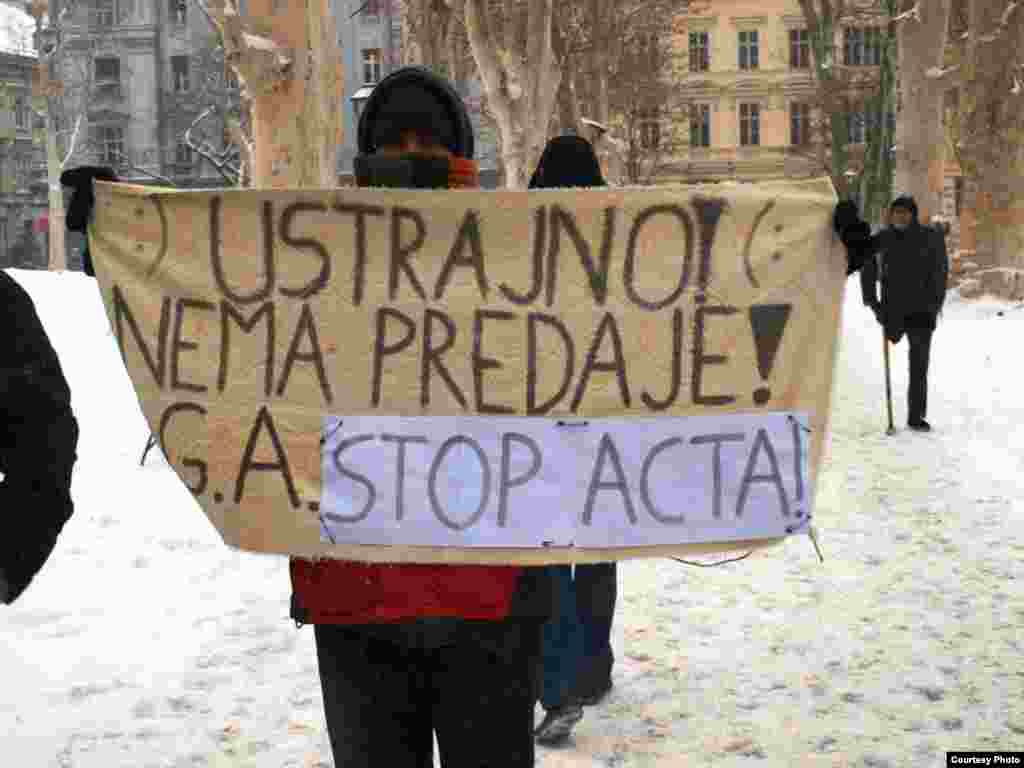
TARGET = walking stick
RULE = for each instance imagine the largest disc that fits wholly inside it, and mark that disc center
(888, 383)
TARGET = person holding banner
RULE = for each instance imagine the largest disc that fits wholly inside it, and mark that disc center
(577, 653)
(38, 439)
(80, 181)
(913, 269)
(405, 651)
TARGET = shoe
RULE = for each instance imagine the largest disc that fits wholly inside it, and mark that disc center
(558, 724)
(595, 697)
(920, 426)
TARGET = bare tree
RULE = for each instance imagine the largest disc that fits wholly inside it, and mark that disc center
(919, 132)
(987, 56)
(618, 86)
(433, 28)
(512, 45)
(844, 87)
(288, 65)
(644, 105)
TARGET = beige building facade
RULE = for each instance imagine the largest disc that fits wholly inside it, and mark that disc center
(748, 91)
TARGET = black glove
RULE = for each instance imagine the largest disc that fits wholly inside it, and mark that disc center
(854, 234)
(845, 216)
(82, 201)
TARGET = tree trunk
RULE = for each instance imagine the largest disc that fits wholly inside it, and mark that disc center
(58, 254)
(920, 135)
(47, 87)
(821, 17)
(286, 55)
(521, 78)
(876, 180)
(991, 147)
(429, 23)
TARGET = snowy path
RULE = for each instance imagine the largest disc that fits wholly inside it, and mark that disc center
(147, 643)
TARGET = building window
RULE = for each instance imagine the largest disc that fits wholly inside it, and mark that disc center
(864, 123)
(180, 74)
(183, 154)
(179, 11)
(105, 14)
(108, 76)
(958, 195)
(700, 52)
(748, 49)
(371, 65)
(109, 140)
(799, 49)
(858, 127)
(22, 169)
(799, 124)
(21, 113)
(862, 47)
(700, 125)
(750, 125)
(650, 129)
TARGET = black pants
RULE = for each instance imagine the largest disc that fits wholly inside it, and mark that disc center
(384, 699)
(920, 342)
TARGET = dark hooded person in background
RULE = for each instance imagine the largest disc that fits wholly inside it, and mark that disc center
(912, 266)
(38, 439)
(405, 651)
(577, 658)
(80, 180)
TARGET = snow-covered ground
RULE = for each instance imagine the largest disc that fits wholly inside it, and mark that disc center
(147, 643)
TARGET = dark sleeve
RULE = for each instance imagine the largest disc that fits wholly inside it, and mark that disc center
(869, 282)
(38, 440)
(941, 269)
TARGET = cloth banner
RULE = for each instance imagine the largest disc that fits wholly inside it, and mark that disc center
(482, 377)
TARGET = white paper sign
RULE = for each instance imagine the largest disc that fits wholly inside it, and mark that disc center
(531, 482)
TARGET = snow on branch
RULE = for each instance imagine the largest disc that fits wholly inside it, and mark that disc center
(1003, 24)
(220, 160)
(261, 64)
(914, 13)
(937, 73)
(73, 140)
(1008, 12)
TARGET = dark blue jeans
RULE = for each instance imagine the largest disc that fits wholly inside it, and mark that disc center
(577, 651)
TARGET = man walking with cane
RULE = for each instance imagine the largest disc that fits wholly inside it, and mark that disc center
(913, 268)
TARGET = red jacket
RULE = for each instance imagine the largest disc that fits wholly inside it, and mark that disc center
(344, 592)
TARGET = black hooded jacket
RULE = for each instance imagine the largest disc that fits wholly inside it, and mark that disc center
(38, 438)
(567, 161)
(414, 99)
(80, 180)
(914, 271)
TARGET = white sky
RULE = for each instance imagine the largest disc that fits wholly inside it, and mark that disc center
(16, 29)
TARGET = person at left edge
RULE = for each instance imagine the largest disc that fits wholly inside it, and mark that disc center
(38, 440)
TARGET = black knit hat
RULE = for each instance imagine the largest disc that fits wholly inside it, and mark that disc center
(907, 202)
(415, 99)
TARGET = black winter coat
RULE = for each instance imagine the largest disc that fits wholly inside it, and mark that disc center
(914, 273)
(38, 438)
